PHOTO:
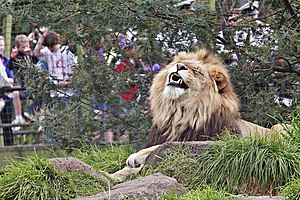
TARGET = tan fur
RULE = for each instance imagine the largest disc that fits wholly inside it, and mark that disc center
(209, 95)
(205, 109)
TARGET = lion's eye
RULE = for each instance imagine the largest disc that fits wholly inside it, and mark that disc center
(197, 72)
(181, 67)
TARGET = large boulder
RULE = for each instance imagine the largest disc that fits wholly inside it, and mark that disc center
(148, 187)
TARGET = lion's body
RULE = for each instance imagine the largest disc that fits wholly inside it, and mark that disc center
(192, 99)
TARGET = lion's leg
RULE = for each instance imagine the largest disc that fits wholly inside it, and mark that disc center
(139, 158)
(282, 128)
(123, 173)
(134, 163)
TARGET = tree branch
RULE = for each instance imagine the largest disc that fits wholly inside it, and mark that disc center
(290, 9)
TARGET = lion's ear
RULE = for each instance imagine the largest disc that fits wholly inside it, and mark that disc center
(221, 80)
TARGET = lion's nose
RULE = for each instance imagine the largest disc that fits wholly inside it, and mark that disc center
(180, 67)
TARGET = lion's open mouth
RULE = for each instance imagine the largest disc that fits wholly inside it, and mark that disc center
(175, 80)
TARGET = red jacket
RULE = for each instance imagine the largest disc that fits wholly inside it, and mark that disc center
(130, 94)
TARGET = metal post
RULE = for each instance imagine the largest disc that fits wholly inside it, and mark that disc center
(212, 5)
(7, 29)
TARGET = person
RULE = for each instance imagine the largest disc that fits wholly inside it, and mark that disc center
(20, 56)
(36, 103)
(184, 39)
(60, 67)
(125, 64)
(255, 36)
(226, 34)
(7, 102)
(61, 61)
(187, 5)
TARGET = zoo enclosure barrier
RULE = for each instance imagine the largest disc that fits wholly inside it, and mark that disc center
(26, 133)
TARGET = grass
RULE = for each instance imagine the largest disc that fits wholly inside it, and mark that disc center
(35, 178)
(253, 166)
(292, 190)
(109, 159)
(206, 193)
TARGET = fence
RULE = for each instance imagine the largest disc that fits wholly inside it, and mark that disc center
(9, 136)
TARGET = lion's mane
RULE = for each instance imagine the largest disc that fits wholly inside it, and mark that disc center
(207, 108)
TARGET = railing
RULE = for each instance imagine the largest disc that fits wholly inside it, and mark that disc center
(27, 135)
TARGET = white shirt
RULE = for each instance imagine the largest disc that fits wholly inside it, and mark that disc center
(60, 63)
(60, 67)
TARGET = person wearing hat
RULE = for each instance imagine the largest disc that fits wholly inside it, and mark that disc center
(228, 25)
(250, 9)
(187, 5)
(255, 36)
(183, 39)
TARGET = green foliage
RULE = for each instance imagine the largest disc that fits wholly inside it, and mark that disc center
(250, 165)
(109, 159)
(36, 178)
(206, 193)
(293, 134)
(82, 24)
(292, 190)
(253, 166)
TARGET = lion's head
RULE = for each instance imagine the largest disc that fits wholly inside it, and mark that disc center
(192, 98)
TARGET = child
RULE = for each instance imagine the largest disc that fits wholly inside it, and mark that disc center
(20, 57)
(60, 61)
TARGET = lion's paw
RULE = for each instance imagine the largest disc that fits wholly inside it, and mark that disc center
(135, 160)
(139, 158)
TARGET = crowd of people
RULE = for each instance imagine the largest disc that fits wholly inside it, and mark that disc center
(59, 62)
(49, 54)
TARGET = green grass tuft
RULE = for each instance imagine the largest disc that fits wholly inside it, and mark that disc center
(110, 159)
(207, 193)
(253, 166)
(292, 190)
(35, 178)
(250, 165)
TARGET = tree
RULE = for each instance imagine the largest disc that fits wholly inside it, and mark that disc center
(83, 24)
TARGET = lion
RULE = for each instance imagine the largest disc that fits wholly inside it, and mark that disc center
(192, 99)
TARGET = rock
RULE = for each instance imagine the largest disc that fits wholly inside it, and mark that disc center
(246, 197)
(148, 187)
(73, 164)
